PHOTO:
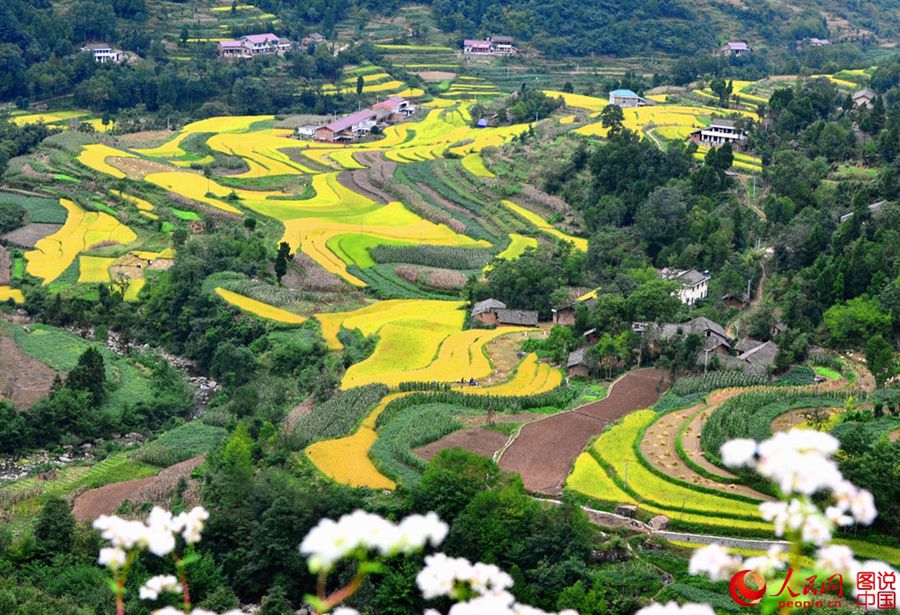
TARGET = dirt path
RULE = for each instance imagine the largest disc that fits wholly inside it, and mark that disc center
(544, 451)
(107, 499)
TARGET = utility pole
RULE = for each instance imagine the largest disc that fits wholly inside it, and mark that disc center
(626, 474)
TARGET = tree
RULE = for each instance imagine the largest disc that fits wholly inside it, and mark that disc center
(54, 529)
(853, 322)
(281, 260)
(250, 225)
(880, 359)
(612, 117)
(89, 375)
(360, 84)
(660, 219)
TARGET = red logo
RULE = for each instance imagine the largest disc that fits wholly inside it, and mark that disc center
(742, 593)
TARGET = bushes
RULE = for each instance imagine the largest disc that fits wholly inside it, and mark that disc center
(715, 380)
(800, 375)
(337, 416)
(181, 443)
(433, 256)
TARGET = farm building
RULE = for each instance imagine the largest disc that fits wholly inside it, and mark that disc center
(566, 315)
(393, 109)
(486, 311)
(758, 360)
(348, 127)
(736, 301)
(578, 364)
(312, 39)
(307, 130)
(475, 47)
(502, 44)
(718, 133)
(103, 53)
(863, 98)
(814, 42)
(253, 45)
(735, 48)
(627, 99)
(694, 285)
(714, 336)
(520, 318)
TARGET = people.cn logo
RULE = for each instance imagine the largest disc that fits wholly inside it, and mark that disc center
(744, 595)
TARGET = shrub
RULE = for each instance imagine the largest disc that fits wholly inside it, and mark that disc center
(798, 376)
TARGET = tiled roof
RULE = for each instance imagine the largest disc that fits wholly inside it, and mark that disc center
(486, 306)
(576, 357)
(517, 317)
(261, 38)
(624, 93)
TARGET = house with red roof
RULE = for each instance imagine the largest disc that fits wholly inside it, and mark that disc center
(735, 48)
(472, 46)
(394, 109)
(348, 127)
(253, 45)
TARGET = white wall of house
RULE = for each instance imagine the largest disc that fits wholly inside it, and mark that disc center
(689, 295)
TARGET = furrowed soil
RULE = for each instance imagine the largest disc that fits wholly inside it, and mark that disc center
(23, 379)
(544, 451)
(479, 441)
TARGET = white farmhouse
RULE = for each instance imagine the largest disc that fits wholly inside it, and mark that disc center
(694, 286)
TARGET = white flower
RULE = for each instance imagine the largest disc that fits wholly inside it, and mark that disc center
(190, 524)
(859, 502)
(837, 559)
(112, 557)
(169, 610)
(121, 533)
(672, 608)
(501, 603)
(837, 516)
(737, 453)
(343, 610)
(715, 562)
(816, 530)
(331, 541)
(442, 576)
(766, 564)
(798, 461)
(154, 586)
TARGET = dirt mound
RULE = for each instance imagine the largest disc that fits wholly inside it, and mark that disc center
(23, 379)
(544, 451)
(30, 234)
(479, 441)
(107, 499)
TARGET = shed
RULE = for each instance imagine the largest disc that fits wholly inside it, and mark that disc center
(522, 318)
(578, 363)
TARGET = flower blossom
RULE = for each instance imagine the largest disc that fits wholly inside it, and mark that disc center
(171, 610)
(443, 576)
(154, 586)
(331, 541)
(190, 524)
(766, 564)
(737, 453)
(673, 608)
(112, 557)
(715, 562)
(837, 559)
(798, 461)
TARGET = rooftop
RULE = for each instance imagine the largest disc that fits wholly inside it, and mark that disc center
(517, 317)
(230, 44)
(722, 122)
(624, 93)
(864, 93)
(261, 38)
(349, 120)
(737, 45)
(486, 306)
(576, 357)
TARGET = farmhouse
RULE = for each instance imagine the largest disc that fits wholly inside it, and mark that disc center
(253, 45)
(312, 39)
(520, 318)
(477, 47)
(694, 285)
(736, 301)
(758, 360)
(719, 132)
(818, 42)
(393, 109)
(104, 53)
(566, 315)
(715, 339)
(307, 130)
(348, 127)
(863, 98)
(486, 311)
(578, 364)
(502, 44)
(735, 48)
(627, 99)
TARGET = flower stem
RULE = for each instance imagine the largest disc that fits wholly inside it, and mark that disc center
(345, 592)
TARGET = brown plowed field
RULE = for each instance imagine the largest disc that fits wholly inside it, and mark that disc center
(23, 380)
(30, 234)
(479, 441)
(106, 500)
(544, 451)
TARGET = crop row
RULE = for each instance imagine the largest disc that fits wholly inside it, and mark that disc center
(337, 416)
(447, 257)
(715, 380)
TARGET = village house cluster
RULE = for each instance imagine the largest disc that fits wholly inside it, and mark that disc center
(355, 125)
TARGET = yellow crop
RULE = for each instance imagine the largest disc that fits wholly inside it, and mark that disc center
(346, 460)
(517, 245)
(370, 319)
(50, 117)
(686, 118)
(194, 187)
(591, 103)
(544, 226)
(95, 155)
(474, 164)
(142, 204)
(134, 288)
(228, 123)
(94, 269)
(169, 149)
(53, 254)
(530, 378)
(7, 293)
(261, 151)
(258, 308)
